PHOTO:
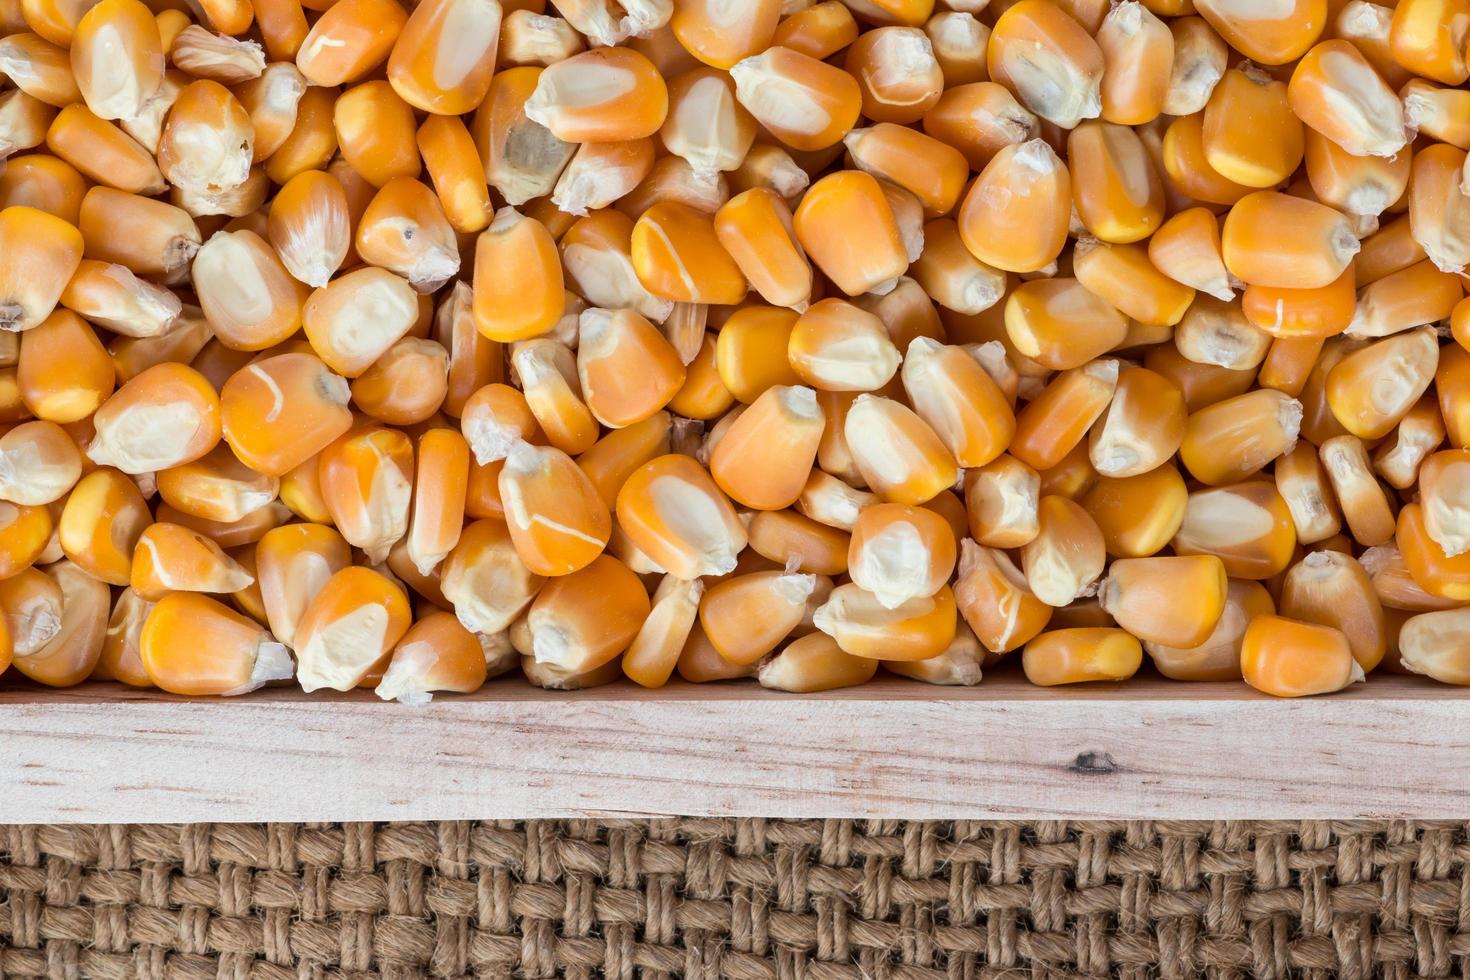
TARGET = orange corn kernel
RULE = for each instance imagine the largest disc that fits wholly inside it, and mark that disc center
(952, 392)
(803, 102)
(355, 619)
(208, 142)
(995, 601)
(828, 500)
(897, 73)
(518, 289)
(558, 522)
(672, 510)
(898, 454)
(367, 482)
(814, 663)
(1049, 61)
(980, 119)
(651, 657)
(1405, 299)
(1273, 37)
(441, 476)
(1418, 434)
(71, 652)
(1332, 589)
(42, 182)
(1433, 644)
(678, 256)
(706, 126)
(1218, 657)
(39, 68)
(630, 99)
(1371, 389)
(405, 231)
(111, 296)
(1138, 54)
(310, 226)
(485, 579)
(216, 487)
(1188, 168)
(1443, 479)
(1057, 419)
(117, 58)
(1176, 601)
(764, 458)
(281, 411)
(1318, 252)
(1289, 658)
(1365, 506)
(548, 374)
(600, 174)
(1432, 568)
(1001, 499)
(356, 317)
(583, 620)
(1142, 426)
(596, 254)
(863, 627)
(350, 39)
(292, 564)
(1067, 554)
(313, 140)
(791, 540)
(1428, 37)
(1123, 276)
(1324, 311)
(1247, 526)
(1304, 486)
(1235, 438)
(456, 171)
(1137, 515)
(494, 419)
(169, 558)
(899, 553)
(1074, 656)
(474, 360)
(121, 658)
(626, 369)
(835, 346)
(1250, 134)
(1439, 209)
(1061, 324)
(747, 616)
(101, 522)
(435, 654)
(376, 133)
(41, 254)
(502, 130)
(442, 60)
(248, 296)
(1117, 191)
(39, 463)
(102, 152)
(848, 229)
(167, 415)
(147, 236)
(406, 385)
(1014, 216)
(63, 370)
(1186, 248)
(25, 533)
(1361, 186)
(952, 277)
(756, 230)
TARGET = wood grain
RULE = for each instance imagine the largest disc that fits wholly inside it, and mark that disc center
(1148, 748)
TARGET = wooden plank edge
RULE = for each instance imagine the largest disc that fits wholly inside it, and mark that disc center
(996, 754)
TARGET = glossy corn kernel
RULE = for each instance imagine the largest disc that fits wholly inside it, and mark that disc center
(673, 511)
(599, 96)
(292, 564)
(835, 346)
(1186, 248)
(898, 553)
(764, 458)
(1247, 526)
(112, 296)
(1175, 601)
(756, 230)
(1067, 555)
(39, 68)
(651, 657)
(283, 410)
(1439, 209)
(1234, 439)
(952, 392)
(1433, 644)
(41, 252)
(149, 237)
(898, 454)
(581, 621)
(100, 524)
(443, 57)
(1057, 419)
(1365, 506)
(1218, 657)
(169, 558)
(310, 227)
(485, 579)
(1431, 567)
(827, 221)
(349, 40)
(518, 290)
(1289, 658)
(993, 597)
(678, 256)
(1080, 655)
(103, 153)
(548, 374)
(1333, 589)
(74, 645)
(63, 370)
(355, 318)
(405, 231)
(1428, 38)
(39, 463)
(1123, 276)
(367, 482)
(1137, 515)
(1049, 61)
(863, 627)
(121, 657)
(167, 415)
(803, 102)
(1014, 217)
(216, 487)
(747, 616)
(356, 618)
(1317, 253)
(1142, 426)
(558, 522)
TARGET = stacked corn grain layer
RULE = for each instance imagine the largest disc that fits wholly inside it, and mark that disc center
(375, 347)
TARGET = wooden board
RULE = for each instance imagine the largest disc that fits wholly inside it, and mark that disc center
(1149, 748)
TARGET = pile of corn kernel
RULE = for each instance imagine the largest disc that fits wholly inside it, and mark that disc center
(349, 345)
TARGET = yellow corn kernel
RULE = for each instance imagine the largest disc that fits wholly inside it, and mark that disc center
(1175, 601)
(898, 454)
(558, 521)
(1332, 589)
(1319, 251)
(764, 458)
(63, 370)
(1137, 515)
(897, 73)
(100, 524)
(1433, 644)
(169, 558)
(1049, 60)
(1067, 555)
(121, 658)
(350, 39)
(367, 482)
(443, 57)
(376, 133)
(1273, 36)
(1247, 526)
(70, 653)
(313, 140)
(863, 627)
(630, 98)
(167, 415)
(805, 103)
(292, 564)
(747, 616)
(1138, 54)
(1428, 38)
(1014, 217)
(39, 463)
(39, 68)
(41, 253)
(283, 410)
(1142, 426)
(1061, 324)
(584, 620)
(549, 380)
(355, 619)
(1431, 567)
(898, 553)
(1289, 658)
(1439, 209)
(1235, 438)
(1080, 655)
(651, 657)
(485, 579)
(979, 119)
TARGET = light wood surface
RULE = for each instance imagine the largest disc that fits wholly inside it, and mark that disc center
(1149, 748)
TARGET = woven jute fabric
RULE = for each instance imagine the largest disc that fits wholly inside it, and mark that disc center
(746, 899)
